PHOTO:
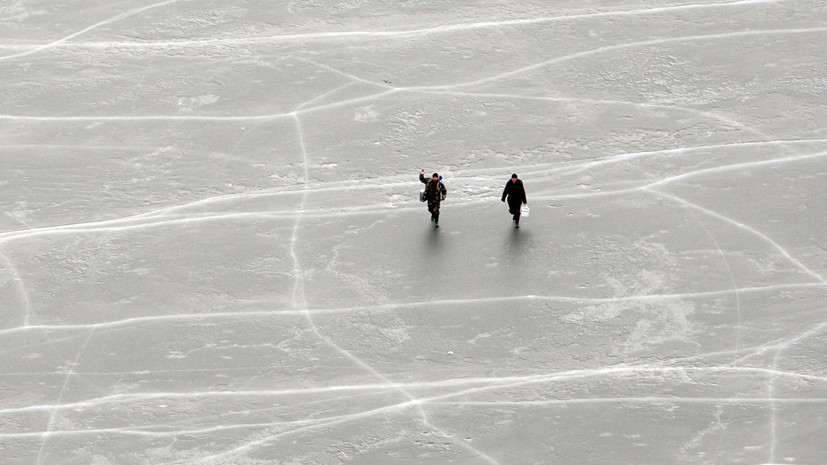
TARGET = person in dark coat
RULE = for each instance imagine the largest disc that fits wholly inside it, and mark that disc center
(515, 192)
(435, 193)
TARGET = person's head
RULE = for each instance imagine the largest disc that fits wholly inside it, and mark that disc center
(514, 177)
(435, 177)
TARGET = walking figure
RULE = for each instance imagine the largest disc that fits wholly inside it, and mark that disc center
(515, 192)
(435, 193)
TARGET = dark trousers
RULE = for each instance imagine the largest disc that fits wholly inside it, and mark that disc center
(433, 207)
(514, 209)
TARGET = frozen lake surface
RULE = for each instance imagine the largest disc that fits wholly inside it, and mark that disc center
(212, 251)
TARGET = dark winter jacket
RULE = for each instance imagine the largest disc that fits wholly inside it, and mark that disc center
(515, 193)
(434, 190)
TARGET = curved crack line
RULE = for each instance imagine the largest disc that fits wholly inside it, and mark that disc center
(150, 118)
(400, 305)
(752, 351)
(780, 344)
(644, 399)
(750, 230)
(736, 166)
(445, 29)
(94, 26)
(670, 179)
(735, 288)
(55, 412)
(143, 432)
(644, 105)
(579, 167)
(477, 384)
(610, 48)
(397, 306)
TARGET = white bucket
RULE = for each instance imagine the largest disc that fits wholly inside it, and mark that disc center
(524, 210)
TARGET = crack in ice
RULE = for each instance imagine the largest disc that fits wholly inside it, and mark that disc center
(479, 384)
(81, 32)
(750, 230)
(243, 315)
(442, 29)
(735, 289)
(55, 411)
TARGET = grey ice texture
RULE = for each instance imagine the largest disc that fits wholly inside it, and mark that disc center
(212, 251)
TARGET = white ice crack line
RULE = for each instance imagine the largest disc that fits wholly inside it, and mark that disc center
(748, 229)
(479, 384)
(609, 48)
(492, 403)
(440, 90)
(111, 20)
(781, 344)
(56, 411)
(752, 351)
(443, 29)
(245, 315)
(544, 195)
(630, 400)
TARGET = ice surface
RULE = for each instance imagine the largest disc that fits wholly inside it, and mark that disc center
(212, 251)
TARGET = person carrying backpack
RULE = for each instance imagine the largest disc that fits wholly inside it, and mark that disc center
(515, 192)
(435, 193)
